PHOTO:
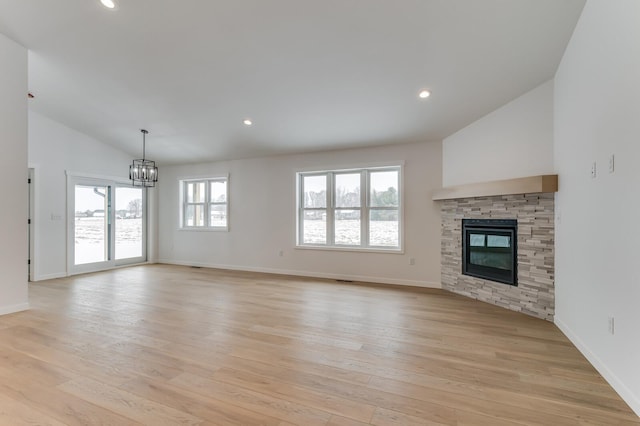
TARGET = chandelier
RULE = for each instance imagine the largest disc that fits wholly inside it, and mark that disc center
(143, 172)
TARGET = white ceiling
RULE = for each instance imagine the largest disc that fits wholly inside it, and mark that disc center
(311, 74)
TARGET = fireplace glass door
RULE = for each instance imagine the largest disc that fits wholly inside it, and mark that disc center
(489, 249)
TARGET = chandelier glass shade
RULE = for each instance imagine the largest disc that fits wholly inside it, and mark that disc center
(143, 172)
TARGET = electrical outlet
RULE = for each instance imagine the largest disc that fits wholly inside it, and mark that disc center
(412, 261)
(612, 325)
(593, 170)
(281, 253)
(612, 163)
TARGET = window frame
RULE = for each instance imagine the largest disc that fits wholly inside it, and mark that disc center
(365, 208)
(207, 204)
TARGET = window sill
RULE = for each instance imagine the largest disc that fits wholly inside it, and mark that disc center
(352, 249)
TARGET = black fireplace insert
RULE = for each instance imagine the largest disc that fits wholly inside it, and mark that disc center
(490, 249)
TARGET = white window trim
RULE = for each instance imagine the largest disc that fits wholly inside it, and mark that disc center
(182, 182)
(369, 167)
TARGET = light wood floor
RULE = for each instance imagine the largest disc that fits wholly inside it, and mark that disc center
(164, 345)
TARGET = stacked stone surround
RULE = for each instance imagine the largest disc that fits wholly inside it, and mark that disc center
(534, 294)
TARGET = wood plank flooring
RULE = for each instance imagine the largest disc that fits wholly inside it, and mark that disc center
(169, 345)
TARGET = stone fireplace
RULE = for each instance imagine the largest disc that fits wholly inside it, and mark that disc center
(533, 212)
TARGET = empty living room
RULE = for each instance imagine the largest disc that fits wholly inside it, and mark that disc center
(332, 213)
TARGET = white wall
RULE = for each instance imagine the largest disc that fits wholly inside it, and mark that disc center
(515, 140)
(262, 218)
(53, 150)
(597, 113)
(13, 177)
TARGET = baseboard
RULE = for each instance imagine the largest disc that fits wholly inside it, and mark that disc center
(310, 274)
(37, 277)
(625, 393)
(4, 310)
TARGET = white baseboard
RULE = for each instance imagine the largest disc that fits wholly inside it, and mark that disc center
(298, 273)
(615, 382)
(4, 310)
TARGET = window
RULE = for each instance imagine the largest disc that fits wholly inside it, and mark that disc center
(350, 208)
(205, 203)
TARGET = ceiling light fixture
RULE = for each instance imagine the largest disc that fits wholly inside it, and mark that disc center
(248, 122)
(109, 4)
(424, 94)
(143, 172)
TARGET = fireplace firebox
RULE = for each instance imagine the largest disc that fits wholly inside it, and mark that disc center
(490, 249)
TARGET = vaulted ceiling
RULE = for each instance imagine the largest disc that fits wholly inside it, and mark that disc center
(310, 74)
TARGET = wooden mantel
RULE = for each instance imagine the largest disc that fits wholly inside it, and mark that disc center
(525, 185)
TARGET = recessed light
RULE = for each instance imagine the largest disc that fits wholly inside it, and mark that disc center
(109, 4)
(424, 94)
(247, 122)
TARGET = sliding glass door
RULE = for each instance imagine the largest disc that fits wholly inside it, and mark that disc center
(91, 224)
(129, 220)
(107, 224)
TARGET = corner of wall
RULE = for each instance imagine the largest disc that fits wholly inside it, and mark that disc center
(13, 176)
